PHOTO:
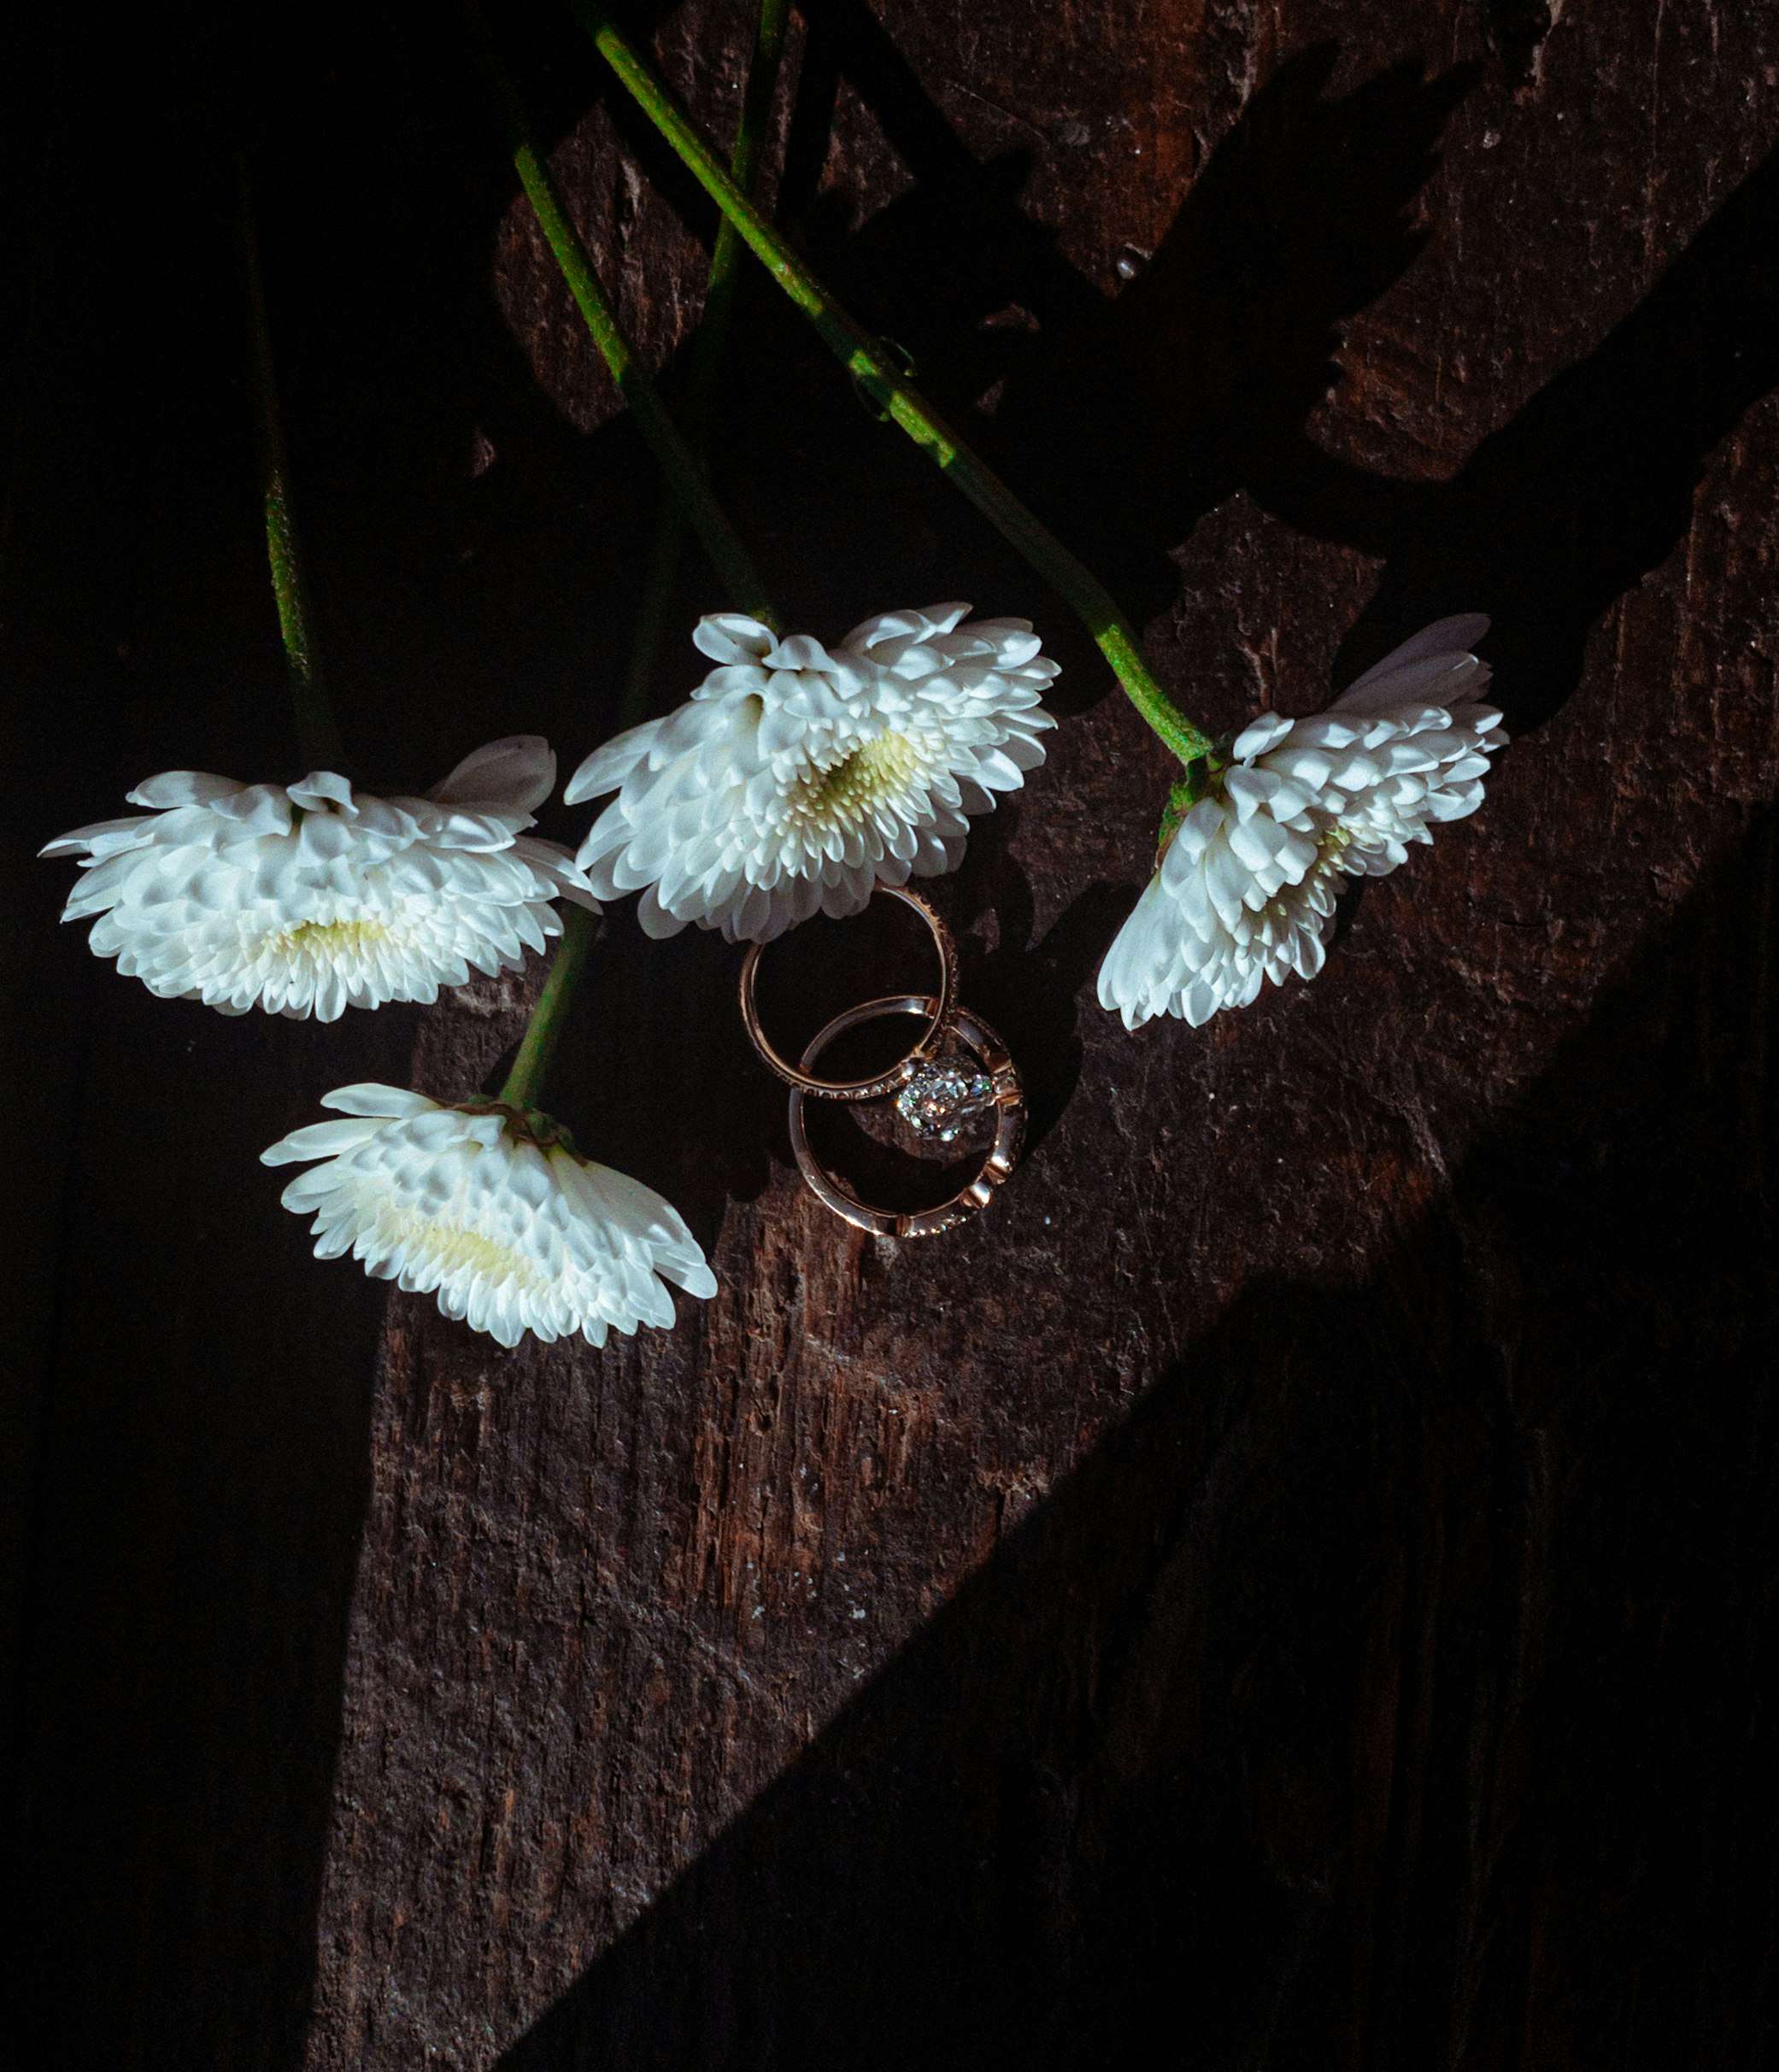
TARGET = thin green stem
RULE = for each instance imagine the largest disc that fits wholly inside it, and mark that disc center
(707, 354)
(726, 255)
(658, 587)
(550, 1016)
(734, 566)
(873, 368)
(317, 734)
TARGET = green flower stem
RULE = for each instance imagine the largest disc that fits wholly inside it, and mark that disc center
(874, 369)
(734, 566)
(317, 734)
(726, 257)
(550, 1016)
(707, 354)
(658, 586)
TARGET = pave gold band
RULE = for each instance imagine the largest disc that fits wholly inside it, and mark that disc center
(1009, 1104)
(942, 1013)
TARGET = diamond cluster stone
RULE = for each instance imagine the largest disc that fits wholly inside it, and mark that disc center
(940, 1098)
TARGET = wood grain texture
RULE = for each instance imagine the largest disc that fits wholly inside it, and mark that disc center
(1293, 1581)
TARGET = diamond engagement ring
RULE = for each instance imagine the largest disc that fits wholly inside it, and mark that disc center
(958, 1072)
(937, 1099)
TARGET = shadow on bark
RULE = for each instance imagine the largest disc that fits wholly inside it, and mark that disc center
(1588, 489)
(1126, 419)
(1388, 1686)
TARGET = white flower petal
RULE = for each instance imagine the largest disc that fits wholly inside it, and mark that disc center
(102, 839)
(516, 775)
(322, 788)
(1246, 891)
(797, 775)
(1452, 638)
(508, 1235)
(608, 767)
(182, 787)
(368, 1098)
(1259, 734)
(321, 1140)
(309, 899)
(732, 636)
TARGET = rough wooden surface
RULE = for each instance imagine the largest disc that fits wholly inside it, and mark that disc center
(1295, 1581)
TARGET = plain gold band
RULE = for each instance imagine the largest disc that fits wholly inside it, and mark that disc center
(943, 1012)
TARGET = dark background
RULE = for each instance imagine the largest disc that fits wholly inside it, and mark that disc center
(1293, 1586)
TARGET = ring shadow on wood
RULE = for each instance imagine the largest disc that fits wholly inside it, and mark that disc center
(1252, 1744)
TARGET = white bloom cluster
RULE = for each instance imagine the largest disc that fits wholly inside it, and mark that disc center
(491, 1211)
(311, 898)
(1246, 889)
(797, 776)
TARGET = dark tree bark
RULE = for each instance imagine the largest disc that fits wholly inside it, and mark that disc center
(1289, 1585)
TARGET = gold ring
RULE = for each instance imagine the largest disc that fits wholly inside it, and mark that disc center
(1001, 1091)
(943, 1009)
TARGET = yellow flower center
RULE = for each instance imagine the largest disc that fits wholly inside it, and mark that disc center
(455, 1250)
(329, 938)
(845, 789)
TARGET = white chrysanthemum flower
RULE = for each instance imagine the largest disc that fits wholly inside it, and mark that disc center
(310, 898)
(797, 776)
(1246, 889)
(490, 1209)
